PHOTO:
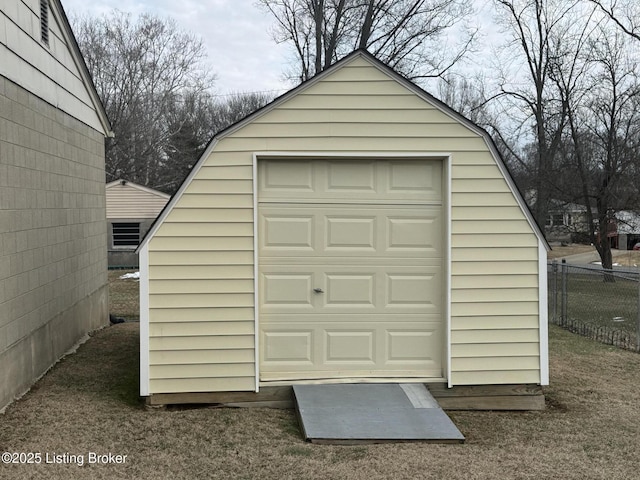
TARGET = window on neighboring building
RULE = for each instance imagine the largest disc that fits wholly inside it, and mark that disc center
(44, 21)
(558, 219)
(126, 234)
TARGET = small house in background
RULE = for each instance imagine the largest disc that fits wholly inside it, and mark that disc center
(357, 230)
(628, 229)
(53, 255)
(567, 222)
(131, 210)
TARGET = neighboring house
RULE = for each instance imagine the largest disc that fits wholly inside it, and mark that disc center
(131, 210)
(355, 229)
(567, 222)
(628, 229)
(53, 235)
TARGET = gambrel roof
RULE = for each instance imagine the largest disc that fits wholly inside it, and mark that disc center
(418, 91)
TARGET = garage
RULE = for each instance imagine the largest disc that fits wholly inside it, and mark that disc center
(351, 268)
(354, 230)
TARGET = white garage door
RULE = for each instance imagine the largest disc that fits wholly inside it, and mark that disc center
(350, 269)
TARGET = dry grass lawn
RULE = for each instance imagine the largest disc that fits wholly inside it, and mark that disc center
(573, 249)
(123, 295)
(89, 403)
(630, 258)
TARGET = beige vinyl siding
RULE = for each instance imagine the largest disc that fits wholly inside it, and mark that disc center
(201, 287)
(195, 357)
(49, 72)
(232, 382)
(195, 314)
(477, 351)
(497, 377)
(497, 322)
(494, 259)
(129, 201)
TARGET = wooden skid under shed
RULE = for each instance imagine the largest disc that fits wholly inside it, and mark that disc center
(481, 397)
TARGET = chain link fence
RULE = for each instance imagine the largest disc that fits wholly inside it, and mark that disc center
(603, 305)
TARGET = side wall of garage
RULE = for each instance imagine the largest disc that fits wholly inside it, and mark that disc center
(201, 256)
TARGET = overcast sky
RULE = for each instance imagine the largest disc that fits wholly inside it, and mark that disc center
(235, 33)
(237, 36)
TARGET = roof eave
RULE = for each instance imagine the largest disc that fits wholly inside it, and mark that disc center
(84, 71)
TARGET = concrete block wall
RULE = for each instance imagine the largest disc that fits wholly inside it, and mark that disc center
(53, 236)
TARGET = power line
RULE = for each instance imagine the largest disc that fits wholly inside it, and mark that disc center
(248, 93)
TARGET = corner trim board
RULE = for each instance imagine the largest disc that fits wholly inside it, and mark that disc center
(447, 263)
(144, 321)
(256, 273)
(543, 314)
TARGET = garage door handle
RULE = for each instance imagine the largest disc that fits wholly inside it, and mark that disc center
(318, 290)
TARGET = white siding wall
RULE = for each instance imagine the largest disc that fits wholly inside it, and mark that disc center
(128, 201)
(201, 257)
(49, 72)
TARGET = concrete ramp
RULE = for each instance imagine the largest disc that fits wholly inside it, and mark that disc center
(372, 413)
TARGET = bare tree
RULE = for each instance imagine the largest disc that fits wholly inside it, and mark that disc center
(624, 13)
(542, 36)
(143, 68)
(228, 109)
(408, 35)
(193, 121)
(467, 96)
(605, 132)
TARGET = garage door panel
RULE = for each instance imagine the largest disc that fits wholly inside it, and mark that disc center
(406, 349)
(416, 181)
(349, 347)
(410, 177)
(286, 177)
(350, 232)
(410, 290)
(409, 234)
(414, 346)
(344, 230)
(349, 290)
(376, 289)
(288, 233)
(350, 269)
(290, 347)
(287, 290)
(355, 260)
(361, 320)
(345, 176)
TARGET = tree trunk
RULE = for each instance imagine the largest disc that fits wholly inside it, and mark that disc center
(607, 261)
(318, 17)
(602, 245)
